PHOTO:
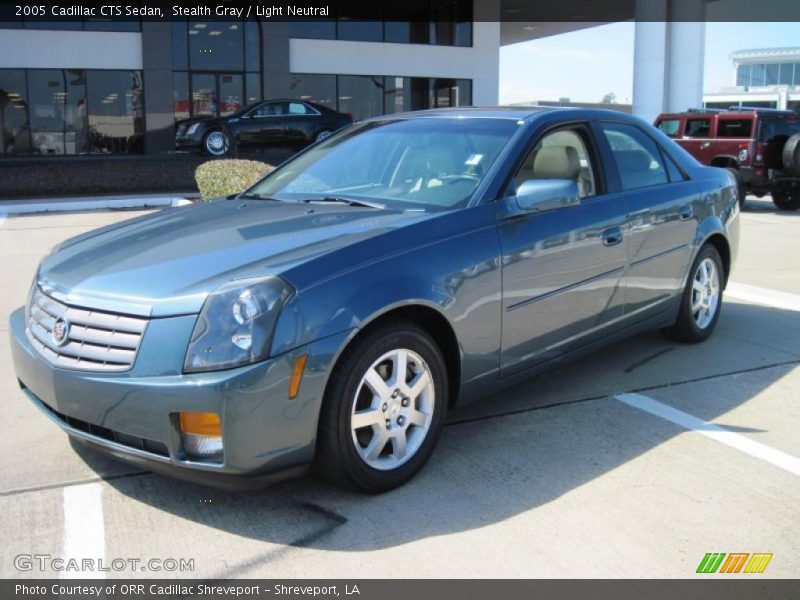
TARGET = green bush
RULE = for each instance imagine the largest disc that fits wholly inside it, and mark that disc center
(224, 177)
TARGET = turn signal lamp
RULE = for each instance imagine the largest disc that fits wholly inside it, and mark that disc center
(201, 433)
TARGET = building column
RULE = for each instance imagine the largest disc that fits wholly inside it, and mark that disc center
(669, 49)
(158, 102)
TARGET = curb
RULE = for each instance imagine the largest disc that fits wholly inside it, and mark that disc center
(34, 206)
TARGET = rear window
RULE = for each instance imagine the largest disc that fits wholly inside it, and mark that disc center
(771, 127)
(670, 127)
(734, 128)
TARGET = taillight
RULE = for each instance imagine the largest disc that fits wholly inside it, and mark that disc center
(759, 157)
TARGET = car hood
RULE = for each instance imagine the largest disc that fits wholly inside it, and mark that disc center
(166, 264)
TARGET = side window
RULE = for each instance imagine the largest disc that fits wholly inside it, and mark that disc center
(670, 127)
(734, 128)
(698, 128)
(298, 108)
(560, 155)
(674, 172)
(269, 109)
(639, 161)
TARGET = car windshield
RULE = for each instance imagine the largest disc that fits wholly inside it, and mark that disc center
(427, 163)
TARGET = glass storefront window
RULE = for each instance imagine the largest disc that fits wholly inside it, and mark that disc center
(361, 96)
(231, 94)
(359, 31)
(743, 75)
(14, 127)
(48, 96)
(180, 46)
(252, 45)
(116, 124)
(758, 75)
(771, 74)
(216, 46)
(314, 88)
(204, 95)
(252, 88)
(317, 30)
(180, 95)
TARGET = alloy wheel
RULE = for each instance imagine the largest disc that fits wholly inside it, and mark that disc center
(392, 409)
(705, 293)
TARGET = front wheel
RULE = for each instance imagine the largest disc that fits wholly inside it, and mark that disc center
(383, 411)
(216, 143)
(702, 299)
(786, 198)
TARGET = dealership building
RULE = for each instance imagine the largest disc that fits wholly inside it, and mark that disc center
(95, 86)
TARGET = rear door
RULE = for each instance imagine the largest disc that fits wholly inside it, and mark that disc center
(733, 137)
(562, 269)
(662, 219)
(697, 138)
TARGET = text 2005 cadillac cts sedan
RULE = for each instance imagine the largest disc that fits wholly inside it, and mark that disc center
(329, 316)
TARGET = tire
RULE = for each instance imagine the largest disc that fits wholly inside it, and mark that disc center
(786, 198)
(741, 192)
(790, 155)
(693, 325)
(370, 457)
(321, 135)
(216, 143)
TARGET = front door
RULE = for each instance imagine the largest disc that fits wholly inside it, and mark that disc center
(562, 269)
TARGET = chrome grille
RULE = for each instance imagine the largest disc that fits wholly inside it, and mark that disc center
(94, 341)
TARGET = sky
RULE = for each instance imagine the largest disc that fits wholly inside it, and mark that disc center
(586, 65)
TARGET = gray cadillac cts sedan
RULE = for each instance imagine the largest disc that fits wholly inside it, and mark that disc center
(329, 316)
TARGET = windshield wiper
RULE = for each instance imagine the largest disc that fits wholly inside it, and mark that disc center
(348, 201)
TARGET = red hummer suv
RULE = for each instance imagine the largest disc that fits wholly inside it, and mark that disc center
(761, 147)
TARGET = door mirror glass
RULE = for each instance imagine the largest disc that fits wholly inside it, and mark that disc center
(539, 195)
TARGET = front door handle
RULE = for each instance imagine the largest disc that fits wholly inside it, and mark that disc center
(612, 237)
(687, 212)
(705, 145)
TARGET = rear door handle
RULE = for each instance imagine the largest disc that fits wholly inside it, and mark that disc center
(612, 236)
(687, 212)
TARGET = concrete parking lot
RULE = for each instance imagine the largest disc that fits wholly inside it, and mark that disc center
(632, 462)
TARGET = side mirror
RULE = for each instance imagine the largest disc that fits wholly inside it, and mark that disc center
(540, 195)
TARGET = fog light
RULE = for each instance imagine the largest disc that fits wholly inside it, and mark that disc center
(202, 435)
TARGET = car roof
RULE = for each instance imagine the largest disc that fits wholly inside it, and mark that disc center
(516, 113)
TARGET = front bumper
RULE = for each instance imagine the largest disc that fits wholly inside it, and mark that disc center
(134, 415)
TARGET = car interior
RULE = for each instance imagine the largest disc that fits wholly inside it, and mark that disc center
(560, 155)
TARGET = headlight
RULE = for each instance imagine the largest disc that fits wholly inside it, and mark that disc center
(192, 128)
(236, 324)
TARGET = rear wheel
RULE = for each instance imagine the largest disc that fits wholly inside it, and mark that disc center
(383, 410)
(702, 299)
(786, 198)
(321, 135)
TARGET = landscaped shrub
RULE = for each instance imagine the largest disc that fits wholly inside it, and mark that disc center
(224, 177)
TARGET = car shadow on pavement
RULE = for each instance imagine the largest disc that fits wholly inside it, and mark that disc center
(509, 454)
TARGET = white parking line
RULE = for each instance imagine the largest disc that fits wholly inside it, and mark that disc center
(766, 296)
(84, 531)
(744, 444)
